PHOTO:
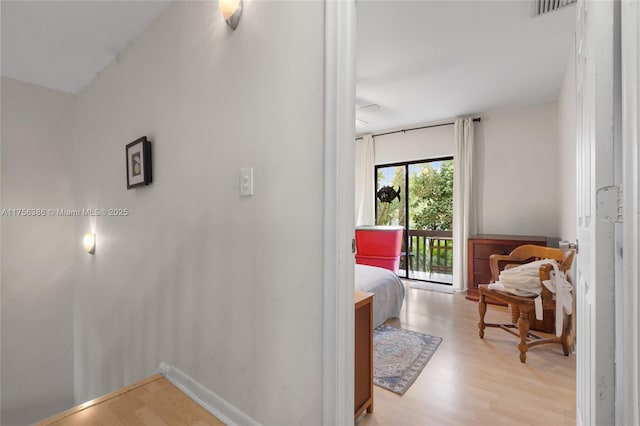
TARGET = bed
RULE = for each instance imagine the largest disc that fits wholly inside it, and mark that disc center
(388, 290)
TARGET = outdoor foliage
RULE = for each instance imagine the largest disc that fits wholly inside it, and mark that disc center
(431, 197)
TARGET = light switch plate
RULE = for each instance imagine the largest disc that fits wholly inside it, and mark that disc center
(246, 182)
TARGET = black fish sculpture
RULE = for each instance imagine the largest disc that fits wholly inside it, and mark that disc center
(387, 194)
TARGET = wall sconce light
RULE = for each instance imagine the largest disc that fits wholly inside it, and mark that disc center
(89, 242)
(231, 11)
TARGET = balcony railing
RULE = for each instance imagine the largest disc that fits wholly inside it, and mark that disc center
(429, 252)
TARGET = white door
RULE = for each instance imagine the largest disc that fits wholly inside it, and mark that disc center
(597, 210)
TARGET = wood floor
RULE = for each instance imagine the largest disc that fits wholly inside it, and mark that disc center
(150, 402)
(473, 381)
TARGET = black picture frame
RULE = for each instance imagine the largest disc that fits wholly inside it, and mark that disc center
(138, 154)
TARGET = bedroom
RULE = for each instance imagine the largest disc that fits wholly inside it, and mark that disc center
(224, 287)
(415, 71)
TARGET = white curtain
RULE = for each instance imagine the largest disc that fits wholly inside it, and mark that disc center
(365, 158)
(464, 200)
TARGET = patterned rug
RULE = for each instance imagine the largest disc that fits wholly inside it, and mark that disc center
(399, 356)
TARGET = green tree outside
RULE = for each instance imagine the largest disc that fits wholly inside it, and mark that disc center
(430, 196)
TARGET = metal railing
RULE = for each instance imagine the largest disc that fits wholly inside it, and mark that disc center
(430, 251)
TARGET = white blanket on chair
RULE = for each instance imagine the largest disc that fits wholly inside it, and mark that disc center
(524, 280)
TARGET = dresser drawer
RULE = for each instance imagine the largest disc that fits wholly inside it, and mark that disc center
(484, 251)
(481, 266)
(481, 278)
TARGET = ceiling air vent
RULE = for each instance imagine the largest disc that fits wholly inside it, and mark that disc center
(363, 114)
(545, 6)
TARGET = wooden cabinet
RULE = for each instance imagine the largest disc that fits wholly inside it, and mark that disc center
(482, 246)
(363, 385)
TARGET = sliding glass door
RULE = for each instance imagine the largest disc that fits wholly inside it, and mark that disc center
(418, 196)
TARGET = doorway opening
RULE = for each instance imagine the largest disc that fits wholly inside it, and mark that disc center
(424, 208)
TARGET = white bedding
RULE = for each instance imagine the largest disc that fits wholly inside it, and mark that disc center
(388, 289)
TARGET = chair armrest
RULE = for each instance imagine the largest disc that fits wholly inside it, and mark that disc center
(493, 263)
(545, 272)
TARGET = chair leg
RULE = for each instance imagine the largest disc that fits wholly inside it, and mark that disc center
(515, 314)
(564, 338)
(482, 309)
(523, 327)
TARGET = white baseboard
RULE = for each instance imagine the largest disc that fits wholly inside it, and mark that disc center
(223, 410)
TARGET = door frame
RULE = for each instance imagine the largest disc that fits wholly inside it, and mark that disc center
(628, 330)
(338, 211)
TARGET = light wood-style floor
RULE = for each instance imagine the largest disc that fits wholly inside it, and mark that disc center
(473, 381)
(150, 402)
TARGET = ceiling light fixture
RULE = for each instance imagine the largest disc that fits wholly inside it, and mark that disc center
(231, 11)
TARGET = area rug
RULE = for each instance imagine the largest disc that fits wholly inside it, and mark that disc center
(399, 356)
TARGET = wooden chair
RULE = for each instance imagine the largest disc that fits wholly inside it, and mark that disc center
(522, 307)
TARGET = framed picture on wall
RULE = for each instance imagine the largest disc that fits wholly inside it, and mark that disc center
(138, 162)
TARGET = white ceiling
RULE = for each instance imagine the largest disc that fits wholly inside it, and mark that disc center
(420, 61)
(64, 44)
(425, 61)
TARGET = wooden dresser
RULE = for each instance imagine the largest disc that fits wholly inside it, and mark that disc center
(482, 246)
(363, 386)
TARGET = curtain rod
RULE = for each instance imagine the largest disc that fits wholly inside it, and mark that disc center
(476, 120)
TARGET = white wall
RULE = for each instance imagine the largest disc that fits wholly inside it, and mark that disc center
(517, 167)
(567, 150)
(517, 173)
(227, 289)
(37, 253)
(434, 142)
